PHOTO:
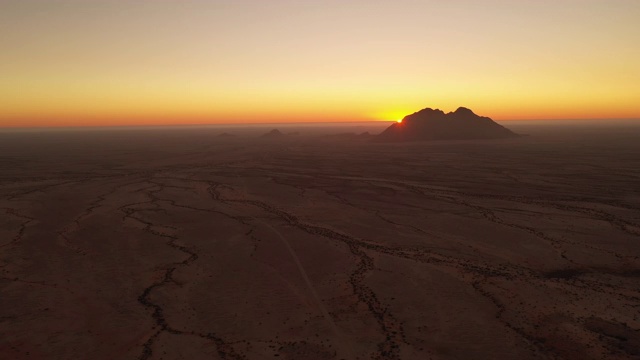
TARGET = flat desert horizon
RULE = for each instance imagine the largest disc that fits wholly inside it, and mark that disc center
(318, 243)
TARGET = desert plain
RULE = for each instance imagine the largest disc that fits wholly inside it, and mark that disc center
(183, 244)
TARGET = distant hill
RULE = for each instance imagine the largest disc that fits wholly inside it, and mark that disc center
(277, 134)
(273, 134)
(430, 124)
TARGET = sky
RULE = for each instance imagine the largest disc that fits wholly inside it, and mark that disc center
(97, 63)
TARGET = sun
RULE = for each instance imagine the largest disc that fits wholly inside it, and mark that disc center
(399, 121)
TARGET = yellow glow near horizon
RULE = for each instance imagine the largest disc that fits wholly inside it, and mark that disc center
(70, 63)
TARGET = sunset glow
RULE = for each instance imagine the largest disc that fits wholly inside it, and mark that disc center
(75, 63)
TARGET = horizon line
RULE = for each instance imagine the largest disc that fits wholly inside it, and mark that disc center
(286, 123)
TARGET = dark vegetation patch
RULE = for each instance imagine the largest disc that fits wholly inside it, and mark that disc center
(564, 273)
(619, 336)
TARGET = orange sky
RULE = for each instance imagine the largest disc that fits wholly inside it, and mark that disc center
(183, 62)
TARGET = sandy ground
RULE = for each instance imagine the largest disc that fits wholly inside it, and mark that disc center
(182, 245)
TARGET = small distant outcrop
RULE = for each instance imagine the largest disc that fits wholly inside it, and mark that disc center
(434, 124)
(273, 134)
(277, 134)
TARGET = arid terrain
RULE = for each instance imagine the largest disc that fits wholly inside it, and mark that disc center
(183, 244)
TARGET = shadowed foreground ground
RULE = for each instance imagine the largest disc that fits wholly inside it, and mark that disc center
(164, 246)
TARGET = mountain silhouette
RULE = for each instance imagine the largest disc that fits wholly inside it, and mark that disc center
(434, 124)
